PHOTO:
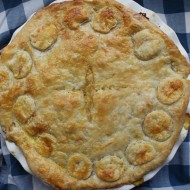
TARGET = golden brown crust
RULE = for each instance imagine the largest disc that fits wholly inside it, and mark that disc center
(4, 79)
(92, 93)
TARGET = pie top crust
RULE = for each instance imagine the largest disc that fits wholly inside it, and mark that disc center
(93, 94)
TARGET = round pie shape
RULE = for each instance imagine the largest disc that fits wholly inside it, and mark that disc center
(93, 94)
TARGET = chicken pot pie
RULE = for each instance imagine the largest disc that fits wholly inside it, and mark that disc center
(93, 94)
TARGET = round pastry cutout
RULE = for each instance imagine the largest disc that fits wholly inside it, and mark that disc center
(104, 20)
(20, 64)
(147, 46)
(140, 152)
(60, 158)
(110, 168)
(43, 37)
(24, 108)
(44, 145)
(158, 125)
(79, 166)
(74, 17)
(170, 90)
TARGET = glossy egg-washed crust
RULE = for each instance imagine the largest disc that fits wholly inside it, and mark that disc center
(93, 94)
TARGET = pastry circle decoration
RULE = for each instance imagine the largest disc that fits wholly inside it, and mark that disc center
(24, 108)
(76, 16)
(79, 166)
(110, 168)
(20, 64)
(140, 152)
(43, 37)
(45, 145)
(147, 46)
(60, 158)
(158, 125)
(4, 79)
(170, 90)
(104, 20)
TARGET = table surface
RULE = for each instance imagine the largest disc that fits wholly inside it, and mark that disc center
(175, 175)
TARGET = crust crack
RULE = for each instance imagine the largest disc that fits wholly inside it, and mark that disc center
(88, 92)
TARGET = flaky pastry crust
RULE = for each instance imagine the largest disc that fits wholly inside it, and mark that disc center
(93, 94)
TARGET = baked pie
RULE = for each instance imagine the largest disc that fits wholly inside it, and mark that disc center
(93, 94)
